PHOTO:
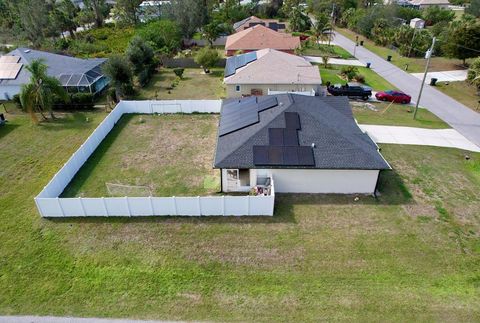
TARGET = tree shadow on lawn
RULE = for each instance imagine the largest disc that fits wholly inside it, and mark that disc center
(7, 128)
(75, 120)
(86, 170)
(217, 73)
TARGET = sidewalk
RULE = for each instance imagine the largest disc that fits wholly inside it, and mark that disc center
(335, 61)
(418, 136)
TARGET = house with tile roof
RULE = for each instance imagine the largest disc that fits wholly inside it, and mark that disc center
(251, 21)
(75, 74)
(422, 4)
(269, 71)
(260, 37)
(306, 144)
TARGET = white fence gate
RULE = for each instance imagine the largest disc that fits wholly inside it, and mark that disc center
(49, 203)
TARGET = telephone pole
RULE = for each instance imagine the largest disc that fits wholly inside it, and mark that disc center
(428, 55)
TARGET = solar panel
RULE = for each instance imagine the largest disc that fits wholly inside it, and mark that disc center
(292, 120)
(283, 156)
(235, 118)
(268, 103)
(9, 71)
(290, 137)
(275, 136)
(9, 59)
(235, 62)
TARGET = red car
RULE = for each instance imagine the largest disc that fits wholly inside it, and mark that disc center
(393, 96)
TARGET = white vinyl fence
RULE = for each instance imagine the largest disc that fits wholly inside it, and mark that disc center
(50, 205)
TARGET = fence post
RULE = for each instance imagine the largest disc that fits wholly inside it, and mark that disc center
(60, 206)
(128, 206)
(104, 206)
(82, 206)
(151, 205)
(223, 205)
(248, 204)
(199, 206)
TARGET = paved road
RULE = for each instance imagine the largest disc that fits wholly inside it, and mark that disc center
(418, 136)
(458, 116)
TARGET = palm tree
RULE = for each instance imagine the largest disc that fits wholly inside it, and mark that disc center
(37, 96)
(321, 28)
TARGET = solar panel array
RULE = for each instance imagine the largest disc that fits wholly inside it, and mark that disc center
(235, 62)
(242, 113)
(284, 148)
(9, 59)
(9, 71)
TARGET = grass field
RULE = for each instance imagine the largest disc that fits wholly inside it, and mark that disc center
(194, 85)
(395, 115)
(412, 254)
(334, 51)
(415, 65)
(148, 155)
(372, 79)
(462, 92)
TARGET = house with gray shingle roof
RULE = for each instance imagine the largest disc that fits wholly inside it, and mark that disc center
(75, 74)
(306, 144)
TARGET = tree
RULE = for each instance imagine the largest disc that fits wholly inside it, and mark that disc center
(126, 11)
(298, 20)
(119, 71)
(211, 31)
(189, 14)
(382, 33)
(142, 58)
(435, 14)
(97, 7)
(207, 58)
(473, 76)
(321, 26)
(164, 35)
(63, 17)
(38, 95)
(33, 22)
(462, 40)
(474, 8)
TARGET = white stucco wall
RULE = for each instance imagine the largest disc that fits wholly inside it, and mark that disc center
(315, 180)
(11, 90)
(325, 181)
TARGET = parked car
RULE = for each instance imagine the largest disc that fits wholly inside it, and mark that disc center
(352, 90)
(393, 96)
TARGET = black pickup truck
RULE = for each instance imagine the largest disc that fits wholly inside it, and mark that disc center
(350, 90)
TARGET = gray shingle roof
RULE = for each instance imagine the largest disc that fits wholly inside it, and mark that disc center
(325, 121)
(71, 71)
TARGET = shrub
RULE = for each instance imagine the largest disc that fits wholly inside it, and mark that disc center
(360, 78)
(207, 58)
(178, 72)
(165, 35)
(16, 100)
(349, 72)
(144, 77)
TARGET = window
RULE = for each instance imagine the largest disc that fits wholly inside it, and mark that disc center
(237, 88)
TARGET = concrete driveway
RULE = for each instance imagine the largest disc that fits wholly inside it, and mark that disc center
(445, 76)
(458, 116)
(335, 61)
(419, 136)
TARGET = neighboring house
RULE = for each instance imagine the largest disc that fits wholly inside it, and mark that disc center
(422, 4)
(417, 23)
(266, 70)
(149, 10)
(81, 4)
(273, 24)
(260, 37)
(75, 74)
(307, 144)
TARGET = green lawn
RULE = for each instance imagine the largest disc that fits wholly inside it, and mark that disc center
(146, 155)
(333, 50)
(372, 79)
(411, 255)
(194, 85)
(415, 65)
(395, 115)
(462, 92)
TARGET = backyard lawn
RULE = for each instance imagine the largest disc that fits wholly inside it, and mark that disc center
(412, 254)
(383, 113)
(415, 65)
(152, 155)
(194, 85)
(372, 79)
(462, 92)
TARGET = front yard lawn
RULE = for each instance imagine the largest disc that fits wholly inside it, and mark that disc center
(372, 79)
(463, 92)
(194, 85)
(411, 255)
(415, 65)
(332, 50)
(152, 155)
(382, 113)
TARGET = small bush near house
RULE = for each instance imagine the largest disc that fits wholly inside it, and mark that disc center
(16, 100)
(349, 72)
(360, 78)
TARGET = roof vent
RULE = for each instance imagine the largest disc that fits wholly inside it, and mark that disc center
(27, 51)
(313, 145)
